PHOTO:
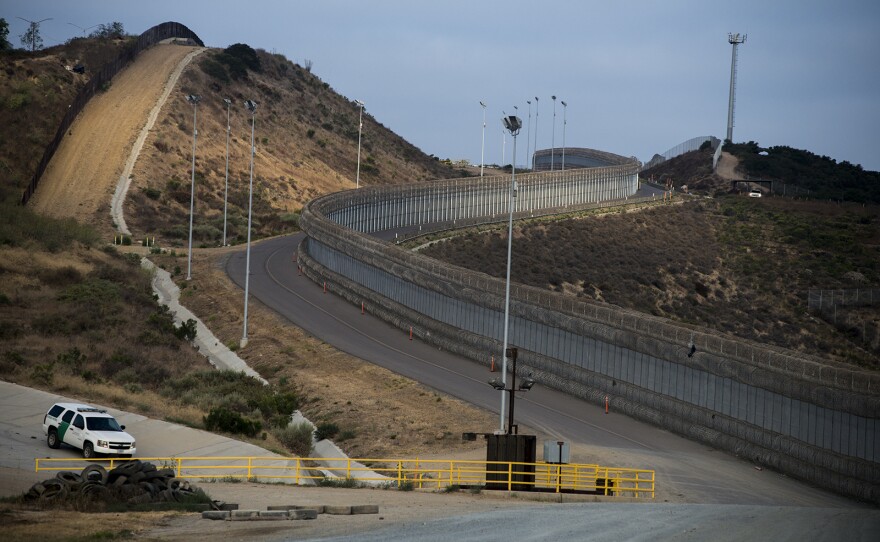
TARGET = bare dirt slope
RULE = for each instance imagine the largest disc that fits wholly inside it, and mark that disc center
(727, 166)
(82, 176)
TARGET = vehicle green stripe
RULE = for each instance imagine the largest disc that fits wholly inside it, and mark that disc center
(62, 428)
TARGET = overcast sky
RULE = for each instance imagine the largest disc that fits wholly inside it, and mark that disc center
(639, 77)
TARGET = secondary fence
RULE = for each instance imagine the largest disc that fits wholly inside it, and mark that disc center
(149, 38)
(416, 473)
(692, 144)
(783, 409)
(827, 302)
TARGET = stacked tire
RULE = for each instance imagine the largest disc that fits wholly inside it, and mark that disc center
(133, 482)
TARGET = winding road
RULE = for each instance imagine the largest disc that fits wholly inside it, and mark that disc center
(701, 474)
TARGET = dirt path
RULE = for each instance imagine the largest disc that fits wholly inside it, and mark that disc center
(727, 165)
(82, 176)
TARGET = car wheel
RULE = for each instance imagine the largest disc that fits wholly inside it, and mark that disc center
(52, 439)
(88, 450)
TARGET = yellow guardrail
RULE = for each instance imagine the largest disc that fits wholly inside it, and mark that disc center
(421, 474)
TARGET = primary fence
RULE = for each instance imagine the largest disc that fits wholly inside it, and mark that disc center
(784, 409)
(415, 473)
(149, 38)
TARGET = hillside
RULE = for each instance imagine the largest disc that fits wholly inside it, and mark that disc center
(738, 265)
(35, 89)
(306, 145)
(803, 173)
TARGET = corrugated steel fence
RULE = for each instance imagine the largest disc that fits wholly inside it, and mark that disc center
(782, 409)
(149, 38)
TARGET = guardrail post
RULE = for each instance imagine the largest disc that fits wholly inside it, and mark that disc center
(510, 477)
(249, 467)
(179, 462)
(558, 477)
(399, 474)
(37, 465)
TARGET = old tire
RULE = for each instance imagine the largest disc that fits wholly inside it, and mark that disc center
(94, 473)
(52, 439)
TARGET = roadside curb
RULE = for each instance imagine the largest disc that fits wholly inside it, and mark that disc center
(289, 512)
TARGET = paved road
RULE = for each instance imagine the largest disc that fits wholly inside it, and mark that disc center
(22, 438)
(683, 467)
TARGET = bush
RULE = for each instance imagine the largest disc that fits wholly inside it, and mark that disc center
(297, 438)
(215, 70)
(326, 430)
(187, 330)
(226, 421)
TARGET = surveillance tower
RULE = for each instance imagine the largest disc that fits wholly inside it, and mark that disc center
(735, 40)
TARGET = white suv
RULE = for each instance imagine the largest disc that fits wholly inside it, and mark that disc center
(88, 428)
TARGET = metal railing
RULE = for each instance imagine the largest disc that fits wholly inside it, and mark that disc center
(420, 474)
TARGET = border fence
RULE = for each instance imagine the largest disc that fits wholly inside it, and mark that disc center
(779, 408)
(149, 38)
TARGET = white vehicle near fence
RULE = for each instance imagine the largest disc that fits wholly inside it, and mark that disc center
(87, 428)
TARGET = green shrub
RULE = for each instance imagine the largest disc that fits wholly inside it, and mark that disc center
(296, 437)
(215, 69)
(73, 359)
(44, 373)
(152, 193)
(187, 330)
(326, 430)
(226, 421)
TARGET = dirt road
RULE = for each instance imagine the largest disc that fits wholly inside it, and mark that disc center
(83, 174)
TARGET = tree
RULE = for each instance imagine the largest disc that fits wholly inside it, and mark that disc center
(31, 38)
(109, 30)
(4, 32)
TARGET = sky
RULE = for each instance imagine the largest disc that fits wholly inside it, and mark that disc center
(639, 76)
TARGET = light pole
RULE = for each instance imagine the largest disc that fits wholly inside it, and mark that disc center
(536, 132)
(194, 99)
(513, 125)
(529, 133)
(226, 192)
(735, 40)
(360, 127)
(252, 107)
(525, 385)
(564, 122)
(483, 145)
(516, 113)
(553, 137)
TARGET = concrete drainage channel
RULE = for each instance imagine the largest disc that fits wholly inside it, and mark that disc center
(230, 512)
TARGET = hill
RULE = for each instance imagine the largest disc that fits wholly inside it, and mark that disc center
(306, 145)
(738, 265)
(35, 90)
(802, 172)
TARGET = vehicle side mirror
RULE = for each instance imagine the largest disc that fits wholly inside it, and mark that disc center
(122, 427)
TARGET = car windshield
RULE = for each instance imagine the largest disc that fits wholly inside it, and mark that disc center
(102, 424)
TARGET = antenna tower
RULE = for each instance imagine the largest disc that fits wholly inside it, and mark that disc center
(735, 40)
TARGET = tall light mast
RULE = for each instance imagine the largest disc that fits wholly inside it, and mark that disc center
(735, 40)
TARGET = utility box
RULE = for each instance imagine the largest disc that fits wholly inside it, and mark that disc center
(511, 449)
(557, 451)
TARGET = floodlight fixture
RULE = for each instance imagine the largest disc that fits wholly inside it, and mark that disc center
(513, 124)
(497, 384)
(527, 384)
(251, 105)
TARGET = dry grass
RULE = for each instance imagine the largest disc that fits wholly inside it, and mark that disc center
(732, 264)
(379, 414)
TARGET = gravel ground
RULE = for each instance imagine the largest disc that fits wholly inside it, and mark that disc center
(462, 516)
